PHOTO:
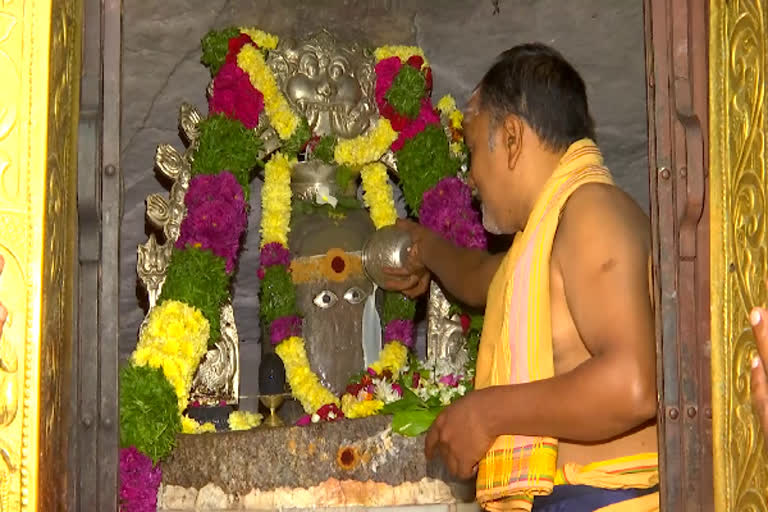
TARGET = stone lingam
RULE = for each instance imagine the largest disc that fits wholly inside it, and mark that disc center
(341, 463)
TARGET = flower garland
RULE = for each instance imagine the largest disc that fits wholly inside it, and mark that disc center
(278, 297)
(366, 148)
(378, 195)
(280, 113)
(154, 386)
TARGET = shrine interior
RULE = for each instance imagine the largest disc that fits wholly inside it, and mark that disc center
(161, 69)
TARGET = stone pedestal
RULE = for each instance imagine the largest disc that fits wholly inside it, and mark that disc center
(346, 463)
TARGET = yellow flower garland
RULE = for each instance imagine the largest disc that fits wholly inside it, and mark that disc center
(261, 38)
(276, 200)
(403, 52)
(367, 147)
(305, 385)
(354, 408)
(276, 215)
(446, 105)
(244, 420)
(174, 339)
(191, 426)
(378, 195)
(393, 357)
(281, 115)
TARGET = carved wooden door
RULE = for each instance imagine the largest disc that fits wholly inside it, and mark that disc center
(739, 250)
(676, 49)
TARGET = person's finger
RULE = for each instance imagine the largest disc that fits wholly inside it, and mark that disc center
(433, 436)
(758, 317)
(401, 285)
(759, 388)
(396, 271)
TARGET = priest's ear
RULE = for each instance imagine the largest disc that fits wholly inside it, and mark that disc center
(513, 139)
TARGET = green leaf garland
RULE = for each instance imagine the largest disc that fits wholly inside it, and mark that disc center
(325, 148)
(226, 145)
(215, 47)
(406, 92)
(422, 162)
(149, 416)
(296, 142)
(397, 307)
(198, 278)
(278, 297)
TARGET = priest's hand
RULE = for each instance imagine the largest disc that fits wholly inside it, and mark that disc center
(460, 436)
(412, 279)
(759, 320)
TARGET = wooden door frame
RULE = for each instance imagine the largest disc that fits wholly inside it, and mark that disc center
(677, 84)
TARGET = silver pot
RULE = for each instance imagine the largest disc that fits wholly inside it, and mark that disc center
(386, 248)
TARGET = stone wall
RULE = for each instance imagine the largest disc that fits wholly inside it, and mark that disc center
(161, 69)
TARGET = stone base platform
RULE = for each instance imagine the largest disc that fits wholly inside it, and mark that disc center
(348, 463)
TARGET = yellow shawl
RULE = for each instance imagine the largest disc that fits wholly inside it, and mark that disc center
(516, 344)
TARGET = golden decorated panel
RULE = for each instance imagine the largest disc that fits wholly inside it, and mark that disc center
(39, 66)
(739, 244)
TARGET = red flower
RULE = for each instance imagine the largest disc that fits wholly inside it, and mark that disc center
(387, 374)
(234, 96)
(354, 389)
(428, 80)
(330, 412)
(465, 322)
(236, 44)
(260, 273)
(416, 380)
(415, 61)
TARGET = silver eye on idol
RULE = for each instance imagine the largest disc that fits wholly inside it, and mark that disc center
(325, 299)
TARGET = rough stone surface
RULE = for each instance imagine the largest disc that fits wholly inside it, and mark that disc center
(302, 457)
(603, 38)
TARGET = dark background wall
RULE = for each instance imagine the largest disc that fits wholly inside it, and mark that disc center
(161, 69)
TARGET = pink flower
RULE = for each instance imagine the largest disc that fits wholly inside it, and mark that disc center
(139, 481)
(399, 330)
(275, 253)
(450, 380)
(372, 372)
(427, 116)
(234, 96)
(283, 328)
(217, 226)
(304, 420)
(397, 389)
(415, 380)
(447, 209)
(207, 187)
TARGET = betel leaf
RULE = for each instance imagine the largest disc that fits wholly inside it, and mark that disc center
(414, 422)
(409, 401)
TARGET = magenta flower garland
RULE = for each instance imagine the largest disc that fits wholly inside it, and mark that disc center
(139, 481)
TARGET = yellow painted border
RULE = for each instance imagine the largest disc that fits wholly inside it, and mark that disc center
(738, 138)
(717, 165)
(40, 69)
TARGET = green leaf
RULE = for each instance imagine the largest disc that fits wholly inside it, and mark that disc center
(409, 401)
(397, 307)
(422, 162)
(215, 46)
(414, 422)
(226, 145)
(198, 278)
(296, 142)
(149, 415)
(278, 296)
(406, 92)
(325, 149)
